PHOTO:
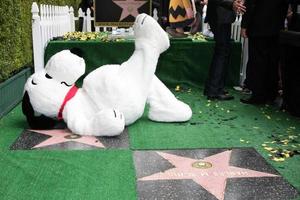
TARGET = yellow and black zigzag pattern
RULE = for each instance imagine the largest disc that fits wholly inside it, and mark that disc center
(178, 11)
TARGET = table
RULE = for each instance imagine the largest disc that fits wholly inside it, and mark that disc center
(185, 62)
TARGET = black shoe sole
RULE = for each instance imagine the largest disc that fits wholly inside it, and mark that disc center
(219, 98)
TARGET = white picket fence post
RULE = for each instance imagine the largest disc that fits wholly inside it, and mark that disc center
(236, 29)
(72, 18)
(155, 14)
(88, 21)
(244, 61)
(36, 38)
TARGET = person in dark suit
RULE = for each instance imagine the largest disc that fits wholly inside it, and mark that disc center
(294, 19)
(220, 15)
(262, 23)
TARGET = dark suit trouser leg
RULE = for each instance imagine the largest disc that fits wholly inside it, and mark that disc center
(218, 68)
(262, 68)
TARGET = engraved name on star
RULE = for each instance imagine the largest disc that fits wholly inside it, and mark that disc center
(211, 173)
(64, 135)
(129, 7)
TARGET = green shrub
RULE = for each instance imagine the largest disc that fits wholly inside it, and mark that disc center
(15, 33)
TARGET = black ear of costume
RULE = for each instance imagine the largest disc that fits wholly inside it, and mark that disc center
(77, 51)
(40, 122)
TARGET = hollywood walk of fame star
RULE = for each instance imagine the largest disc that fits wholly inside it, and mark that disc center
(211, 173)
(129, 7)
(64, 135)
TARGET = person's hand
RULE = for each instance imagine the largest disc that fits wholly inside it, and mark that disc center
(203, 2)
(189, 13)
(244, 33)
(238, 6)
(289, 12)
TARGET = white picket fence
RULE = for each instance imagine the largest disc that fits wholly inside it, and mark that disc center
(49, 21)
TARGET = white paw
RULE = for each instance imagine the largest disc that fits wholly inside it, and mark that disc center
(109, 122)
(175, 112)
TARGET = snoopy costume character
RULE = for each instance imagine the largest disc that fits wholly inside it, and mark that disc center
(111, 96)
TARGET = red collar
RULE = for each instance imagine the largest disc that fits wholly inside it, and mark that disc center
(71, 93)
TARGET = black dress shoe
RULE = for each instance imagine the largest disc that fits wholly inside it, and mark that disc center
(225, 92)
(253, 101)
(220, 97)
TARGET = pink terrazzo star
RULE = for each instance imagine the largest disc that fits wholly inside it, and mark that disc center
(211, 172)
(129, 7)
(64, 135)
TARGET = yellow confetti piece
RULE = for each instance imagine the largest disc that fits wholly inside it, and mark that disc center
(247, 142)
(241, 140)
(278, 159)
(273, 142)
(222, 109)
(255, 127)
(286, 151)
(268, 117)
(208, 101)
(264, 145)
(177, 88)
(200, 112)
(284, 141)
(228, 111)
(268, 148)
(286, 155)
(208, 104)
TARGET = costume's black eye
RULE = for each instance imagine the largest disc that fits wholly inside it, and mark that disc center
(144, 19)
(47, 76)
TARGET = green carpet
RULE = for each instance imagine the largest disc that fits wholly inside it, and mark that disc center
(109, 174)
(67, 175)
(222, 124)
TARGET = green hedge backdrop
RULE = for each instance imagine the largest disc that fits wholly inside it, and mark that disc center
(15, 33)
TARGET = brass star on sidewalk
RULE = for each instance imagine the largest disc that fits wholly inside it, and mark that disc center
(64, 135)
(211, 173)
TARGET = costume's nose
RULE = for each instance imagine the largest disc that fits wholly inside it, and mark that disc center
(35, 79)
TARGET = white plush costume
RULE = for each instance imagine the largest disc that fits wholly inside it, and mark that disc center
(112, 96)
